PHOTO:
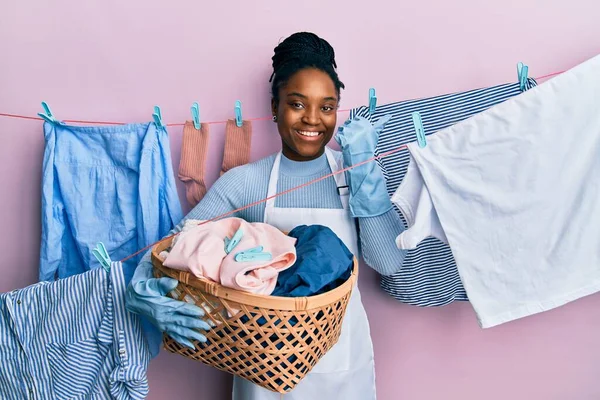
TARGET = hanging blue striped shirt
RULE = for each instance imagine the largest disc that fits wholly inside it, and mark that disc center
(428, 275)
(72, 339)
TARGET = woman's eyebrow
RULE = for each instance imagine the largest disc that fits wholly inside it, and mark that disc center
(296, 94)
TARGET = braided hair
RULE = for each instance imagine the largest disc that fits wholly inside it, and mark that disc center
(299, 51)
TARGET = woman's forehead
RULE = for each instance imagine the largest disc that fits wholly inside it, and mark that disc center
(311, 83)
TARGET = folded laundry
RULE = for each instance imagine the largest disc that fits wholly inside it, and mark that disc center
(233, 252)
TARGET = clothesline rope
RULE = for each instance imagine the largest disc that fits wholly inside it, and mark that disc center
(382, 155)
(75, 121)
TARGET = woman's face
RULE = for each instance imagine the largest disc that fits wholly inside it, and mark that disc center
(306, 114)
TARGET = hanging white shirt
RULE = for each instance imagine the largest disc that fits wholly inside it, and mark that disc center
(515, 192)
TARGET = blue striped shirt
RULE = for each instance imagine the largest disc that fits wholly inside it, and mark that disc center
(428, 275)
(72, 339)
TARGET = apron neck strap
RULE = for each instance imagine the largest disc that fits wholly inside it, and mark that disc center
(273, 178)
(340, 179)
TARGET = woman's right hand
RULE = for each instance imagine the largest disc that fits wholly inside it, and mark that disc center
(180, 320)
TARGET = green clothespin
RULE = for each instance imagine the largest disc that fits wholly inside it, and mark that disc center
(102, 256)
(522, 74)
(196, 115)
(238, 113)
(47, 114)
(372, 101)
(235, 239)
(418, 124)
(253, 254)
(157, 116)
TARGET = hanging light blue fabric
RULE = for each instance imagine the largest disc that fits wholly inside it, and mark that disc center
(109, 184)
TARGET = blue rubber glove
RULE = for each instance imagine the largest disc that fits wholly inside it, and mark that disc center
(358, 139)
(180, 320)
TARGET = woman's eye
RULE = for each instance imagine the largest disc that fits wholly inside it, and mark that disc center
(297, 105)
(327, 108)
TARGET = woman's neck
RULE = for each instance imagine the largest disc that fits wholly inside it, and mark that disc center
(303, 168)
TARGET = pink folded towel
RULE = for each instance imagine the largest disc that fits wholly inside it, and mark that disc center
(201, 251)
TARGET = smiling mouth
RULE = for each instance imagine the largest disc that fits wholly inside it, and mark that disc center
(308, 134)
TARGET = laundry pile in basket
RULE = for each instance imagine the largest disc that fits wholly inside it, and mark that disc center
(259, 258)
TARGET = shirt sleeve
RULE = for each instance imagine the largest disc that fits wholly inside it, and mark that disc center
(129, 351)
(377, 236)
(378, 242)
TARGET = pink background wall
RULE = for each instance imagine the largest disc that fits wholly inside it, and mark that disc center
(113, 60)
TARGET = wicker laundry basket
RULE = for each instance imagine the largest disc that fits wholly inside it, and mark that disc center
(271, 341)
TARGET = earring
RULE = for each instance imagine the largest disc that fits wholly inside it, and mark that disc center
(274, 118)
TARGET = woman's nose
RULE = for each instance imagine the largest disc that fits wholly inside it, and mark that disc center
(311, 117)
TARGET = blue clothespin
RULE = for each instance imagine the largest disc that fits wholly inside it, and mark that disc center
(157, 115)
(196, 115)
(418, 123)
(372, 100)
(238, 113)
(247, 255)
(256, 249)
(47, 115)
(102, 256)
(522, 74)
(230, 244)
(253, 254)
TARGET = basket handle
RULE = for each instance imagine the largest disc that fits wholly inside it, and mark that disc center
(184, 277)
(301, 303)
(211, 287)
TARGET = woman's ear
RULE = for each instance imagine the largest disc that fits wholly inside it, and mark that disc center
(273, 107)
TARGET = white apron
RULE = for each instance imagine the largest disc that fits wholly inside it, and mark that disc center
(347, 371)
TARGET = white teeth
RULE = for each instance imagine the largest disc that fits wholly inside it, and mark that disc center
(311, 134)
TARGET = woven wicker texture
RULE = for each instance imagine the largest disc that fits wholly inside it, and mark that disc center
(271, 341)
